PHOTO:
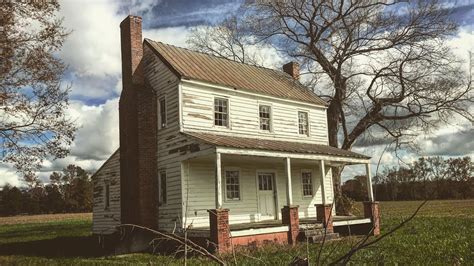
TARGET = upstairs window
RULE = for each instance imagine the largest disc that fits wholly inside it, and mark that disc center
(307, 181)
(221, 112)
(265, 119)
(162, 106)
(232, 185)
(303, 123)
(162, 187)
(107, 195)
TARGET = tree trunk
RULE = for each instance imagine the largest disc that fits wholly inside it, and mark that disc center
(333, 114)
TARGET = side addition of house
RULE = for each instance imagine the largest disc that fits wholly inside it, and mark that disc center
(230, 152)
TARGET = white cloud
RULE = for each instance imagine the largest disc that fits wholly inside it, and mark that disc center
(8, 176)
(173, 35)
(93, 48)
(98, 135)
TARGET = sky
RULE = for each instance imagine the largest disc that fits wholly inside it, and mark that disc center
(92, 52)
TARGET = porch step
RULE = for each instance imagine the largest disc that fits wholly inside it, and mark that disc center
(313, 232)
(319, 238)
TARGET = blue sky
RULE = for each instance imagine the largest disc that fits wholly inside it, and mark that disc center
(92, 52)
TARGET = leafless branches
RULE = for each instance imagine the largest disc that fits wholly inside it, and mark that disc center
(33, 123)
(385, 67)
(178, 239)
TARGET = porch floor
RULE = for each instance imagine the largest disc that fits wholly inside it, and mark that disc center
(304, 222)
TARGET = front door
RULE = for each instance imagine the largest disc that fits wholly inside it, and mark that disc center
(266, 195)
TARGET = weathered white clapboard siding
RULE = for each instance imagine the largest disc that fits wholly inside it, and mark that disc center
(199, 187)
(198, 115)
(165, 83)
(172, 145)
(104, 220)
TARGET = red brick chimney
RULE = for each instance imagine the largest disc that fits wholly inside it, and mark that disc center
(292, 68)
(132, 47)
(138, 136)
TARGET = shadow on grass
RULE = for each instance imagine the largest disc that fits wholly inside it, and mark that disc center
(79, 246)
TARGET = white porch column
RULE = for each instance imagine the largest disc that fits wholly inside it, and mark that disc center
(289, 195)
(323, 176)
(369, 182)
(218, 181)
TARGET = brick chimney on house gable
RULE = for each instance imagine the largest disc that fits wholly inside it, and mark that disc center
(293, 69)
(138, 132)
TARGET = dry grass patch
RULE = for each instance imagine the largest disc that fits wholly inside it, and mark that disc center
(45, 218)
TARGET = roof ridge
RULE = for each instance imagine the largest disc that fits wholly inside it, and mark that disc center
(219, 57)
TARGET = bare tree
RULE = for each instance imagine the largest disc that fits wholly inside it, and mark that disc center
(33, 122)
(383, 66)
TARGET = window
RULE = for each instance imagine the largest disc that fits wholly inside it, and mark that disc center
(232, 185)
(107, 196)
(265, 182)
(307, 181)
(303, 123)
(264, 113)
(162, 112)
(162, 187)
(221, 112)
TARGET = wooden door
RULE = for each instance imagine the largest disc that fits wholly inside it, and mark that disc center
(266, 195)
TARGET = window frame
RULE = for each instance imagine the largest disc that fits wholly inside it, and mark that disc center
(227, 125)
(303, 171)
(107, 195)
(162, 125)
(162, 197)
(307, 123)
(232, 169)
(270, 118)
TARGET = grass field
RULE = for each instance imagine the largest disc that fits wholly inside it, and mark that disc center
(442, 233)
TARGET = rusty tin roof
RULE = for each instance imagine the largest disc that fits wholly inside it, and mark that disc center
(200, 66)
(272, 145)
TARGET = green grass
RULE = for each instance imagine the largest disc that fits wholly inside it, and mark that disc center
(441, 234)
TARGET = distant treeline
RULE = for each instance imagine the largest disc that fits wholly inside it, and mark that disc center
(426, 178)
(68, 191)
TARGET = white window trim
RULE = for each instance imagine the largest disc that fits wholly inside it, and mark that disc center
(298, 123)
(302, 184)
(214, 111)
(271, 117)
(160, 201)
(224, 176)
(160, 126)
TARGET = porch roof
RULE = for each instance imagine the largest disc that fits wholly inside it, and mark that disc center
(272, 145)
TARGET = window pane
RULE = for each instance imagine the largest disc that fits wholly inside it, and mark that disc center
(107, 196)
(232, 185)
(220, 112)
(303, 123)
(162, 112)
(163, 192)
(265, 182)
(264, 115)
(307, 184)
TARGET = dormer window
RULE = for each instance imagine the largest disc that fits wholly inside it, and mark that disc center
(265, 119)
(221, 112)
(162, 117)
(303, 123)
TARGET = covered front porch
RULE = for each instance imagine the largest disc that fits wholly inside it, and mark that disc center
(253, 196)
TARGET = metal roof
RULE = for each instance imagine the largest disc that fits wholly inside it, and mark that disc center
(203, 67)
(272, 145)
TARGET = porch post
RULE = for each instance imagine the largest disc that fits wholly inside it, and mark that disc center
(218, 181)
(369, 182)
(323, 176)
(289, 213)
(289, 196)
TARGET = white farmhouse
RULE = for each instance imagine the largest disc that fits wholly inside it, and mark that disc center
(228, 151)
